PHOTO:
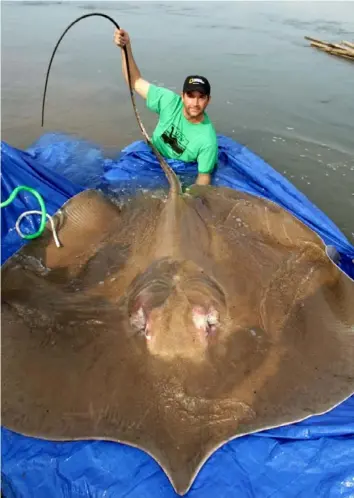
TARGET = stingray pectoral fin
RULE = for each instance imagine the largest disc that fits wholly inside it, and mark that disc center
(82, 224)
(86, 383)
(236, 211)
(62, 381)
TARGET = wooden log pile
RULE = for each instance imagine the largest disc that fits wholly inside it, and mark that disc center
(343, 49)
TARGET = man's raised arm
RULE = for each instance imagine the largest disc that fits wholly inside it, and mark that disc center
(141, 86)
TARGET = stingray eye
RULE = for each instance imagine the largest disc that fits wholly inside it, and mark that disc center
(138, 321)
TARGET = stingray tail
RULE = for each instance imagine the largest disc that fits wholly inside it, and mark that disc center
(175, 184)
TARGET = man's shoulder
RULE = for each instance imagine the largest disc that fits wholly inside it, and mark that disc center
(209, 132)
(159, 96)
(162, 90)
(208, 122)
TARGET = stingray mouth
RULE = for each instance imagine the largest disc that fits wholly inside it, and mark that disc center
(206, 322)
(176, 296)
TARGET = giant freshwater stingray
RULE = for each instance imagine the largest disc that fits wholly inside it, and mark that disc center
(173, 324)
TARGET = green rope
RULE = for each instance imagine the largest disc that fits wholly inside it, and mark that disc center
(41, 203)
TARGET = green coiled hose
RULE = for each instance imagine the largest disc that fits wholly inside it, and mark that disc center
(41, 203)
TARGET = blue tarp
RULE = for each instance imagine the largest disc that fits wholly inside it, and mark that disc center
(311, 459)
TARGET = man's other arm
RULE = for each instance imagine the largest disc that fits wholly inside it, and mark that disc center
(203, 179)
(207, 159)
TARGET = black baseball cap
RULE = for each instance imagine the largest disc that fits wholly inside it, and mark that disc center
(196, 83)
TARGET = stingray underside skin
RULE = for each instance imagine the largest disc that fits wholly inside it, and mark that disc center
(174, 325)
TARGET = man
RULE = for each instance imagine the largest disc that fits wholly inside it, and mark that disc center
(184, 130)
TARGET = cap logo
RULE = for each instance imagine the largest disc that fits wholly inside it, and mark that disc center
(196, 80)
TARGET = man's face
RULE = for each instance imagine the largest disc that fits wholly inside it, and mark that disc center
(195, 102)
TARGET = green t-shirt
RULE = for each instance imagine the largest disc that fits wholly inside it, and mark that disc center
(175, 137)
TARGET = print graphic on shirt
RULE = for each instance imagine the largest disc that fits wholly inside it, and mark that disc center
(175, 139)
